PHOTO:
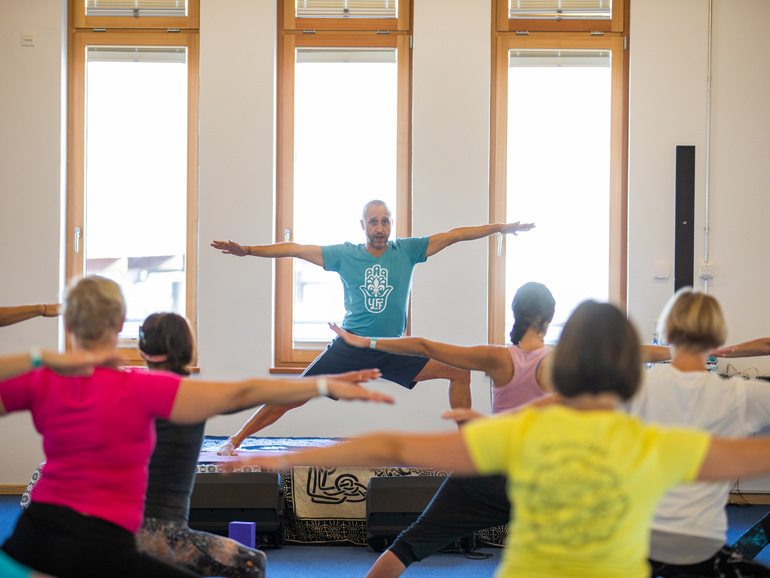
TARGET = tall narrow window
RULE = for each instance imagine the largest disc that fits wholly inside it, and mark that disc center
(557, 161)
(133, 159)
(345, 113)
(343, 140)
(559, 174)
(137, 224)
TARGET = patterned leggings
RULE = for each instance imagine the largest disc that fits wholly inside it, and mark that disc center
(727, 563)
(201, 552)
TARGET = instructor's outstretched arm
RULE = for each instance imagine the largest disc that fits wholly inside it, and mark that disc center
(441, 241)
(311, 253)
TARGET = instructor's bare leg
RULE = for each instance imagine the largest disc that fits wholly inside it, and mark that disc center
(263, 417)
(387, 566)
(459, 381)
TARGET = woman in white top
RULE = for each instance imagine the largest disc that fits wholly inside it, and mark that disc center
(689, 528)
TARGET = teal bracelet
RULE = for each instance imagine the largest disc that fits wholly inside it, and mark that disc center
(36, 356)
(373, 343)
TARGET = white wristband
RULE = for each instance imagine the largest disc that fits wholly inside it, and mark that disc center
(373, 343)
(322, 387)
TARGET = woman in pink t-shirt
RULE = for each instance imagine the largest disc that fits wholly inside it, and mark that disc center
(98, 433)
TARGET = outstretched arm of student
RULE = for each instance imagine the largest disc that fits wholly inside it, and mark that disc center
(730, 459)
(441, 241)
(310, 253)
(753, 348)
(260, 418)
(655, 353)
(197, 401)
(493, 360)
(443, 451)
(11, 315)
(72, 363)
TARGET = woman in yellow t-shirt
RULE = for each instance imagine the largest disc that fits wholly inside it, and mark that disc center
(586, 478)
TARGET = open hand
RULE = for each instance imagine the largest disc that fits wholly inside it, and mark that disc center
(51, 310)
(350, 339)
(360, 376)
(229, 248)
(345, 390)
(514, 228)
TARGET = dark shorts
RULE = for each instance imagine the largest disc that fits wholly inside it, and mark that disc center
(461, 506)
(339, 357)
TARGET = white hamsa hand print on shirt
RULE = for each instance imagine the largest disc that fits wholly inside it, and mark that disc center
(376, 289)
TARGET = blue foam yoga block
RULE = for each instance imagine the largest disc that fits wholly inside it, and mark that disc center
(243, 532)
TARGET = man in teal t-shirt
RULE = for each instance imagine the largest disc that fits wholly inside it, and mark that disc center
(376, 288)
(376, 277)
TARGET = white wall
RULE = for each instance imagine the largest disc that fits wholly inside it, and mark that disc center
(668, 107)
(669, 71)
(450, 157)
(31, 190)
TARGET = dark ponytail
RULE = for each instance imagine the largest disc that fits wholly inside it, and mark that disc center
(166, 342)
(533, 306)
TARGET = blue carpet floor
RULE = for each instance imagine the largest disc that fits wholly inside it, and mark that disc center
(337, 561)
(295, 560)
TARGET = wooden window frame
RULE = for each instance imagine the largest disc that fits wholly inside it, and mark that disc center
(288, 359)
(615, 24)
(618, 250)
(189, 22)
(400, 23)
(79, 39)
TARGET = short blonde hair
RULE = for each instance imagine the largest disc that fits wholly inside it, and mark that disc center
(694, 321)
(94, 310)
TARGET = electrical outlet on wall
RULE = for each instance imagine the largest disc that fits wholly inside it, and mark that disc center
(706, 271)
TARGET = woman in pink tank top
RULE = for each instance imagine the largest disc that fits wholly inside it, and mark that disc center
(518, 372)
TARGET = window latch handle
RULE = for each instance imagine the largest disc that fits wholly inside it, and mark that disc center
(78, 234)
(499, 244)
(286, 235)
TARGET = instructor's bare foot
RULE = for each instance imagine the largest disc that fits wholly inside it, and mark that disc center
(227, 449)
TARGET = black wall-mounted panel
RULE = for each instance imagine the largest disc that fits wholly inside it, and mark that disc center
(684, 232)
